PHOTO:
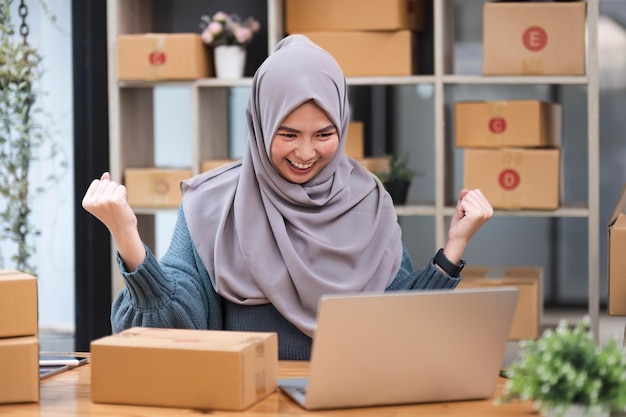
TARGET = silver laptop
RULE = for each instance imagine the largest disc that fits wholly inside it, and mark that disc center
(406, 347)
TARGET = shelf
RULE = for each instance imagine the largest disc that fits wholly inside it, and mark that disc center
(368, 81)
(426, 210)
(132, 121)
(493, 79)
(216, 82)
(572, 211)
(412, 80)
(416, 210)
(152, 84)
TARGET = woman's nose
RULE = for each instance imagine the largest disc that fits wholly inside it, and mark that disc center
(305, 150)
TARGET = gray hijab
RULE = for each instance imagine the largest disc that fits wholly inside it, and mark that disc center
(264, 239)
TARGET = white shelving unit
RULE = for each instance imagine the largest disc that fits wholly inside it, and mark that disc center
(131, 120)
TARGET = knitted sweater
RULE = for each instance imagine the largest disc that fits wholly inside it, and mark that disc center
(177, 293)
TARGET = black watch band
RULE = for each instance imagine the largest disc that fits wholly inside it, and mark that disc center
(450, 268)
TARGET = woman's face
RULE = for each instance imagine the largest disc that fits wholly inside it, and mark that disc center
(304, 143)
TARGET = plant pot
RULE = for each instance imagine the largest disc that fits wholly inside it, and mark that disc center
(576, 410)
(230, 61)
(399, 190)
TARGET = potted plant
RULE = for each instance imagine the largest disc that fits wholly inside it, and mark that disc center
(397, 179)
(565, 371)
(228, 34)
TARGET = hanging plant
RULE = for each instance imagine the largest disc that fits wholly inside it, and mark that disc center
(23, 138)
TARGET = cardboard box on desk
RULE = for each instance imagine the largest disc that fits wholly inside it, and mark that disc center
(616, 258)
(529, 282)
(160, 56)
(18, 304)
(19, 369)
(534, 38)
(348, 15)
(512, 123)
(199, 369)
(515, 178)
(369, 54)
(154, 187)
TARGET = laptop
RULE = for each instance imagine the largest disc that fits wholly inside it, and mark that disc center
(51, 363)
(406, 347)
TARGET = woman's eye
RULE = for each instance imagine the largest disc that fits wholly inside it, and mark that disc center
(327, 134)
(287, 135)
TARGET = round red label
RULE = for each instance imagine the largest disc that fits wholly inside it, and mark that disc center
(497, 125)
(156, 58)
(535, 38)
(509, 179)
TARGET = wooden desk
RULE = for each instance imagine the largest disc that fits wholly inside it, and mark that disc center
(69, 394)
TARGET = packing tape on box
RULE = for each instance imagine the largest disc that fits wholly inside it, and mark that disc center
(509, 179)
(496, 272)
(157, 58)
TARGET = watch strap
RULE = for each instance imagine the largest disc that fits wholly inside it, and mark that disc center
(450, 268)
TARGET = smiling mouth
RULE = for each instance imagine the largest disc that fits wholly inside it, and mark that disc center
(302, 167)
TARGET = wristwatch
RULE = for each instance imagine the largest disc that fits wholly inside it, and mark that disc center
(450, 268)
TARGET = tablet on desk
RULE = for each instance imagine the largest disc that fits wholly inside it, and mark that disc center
(52, 364)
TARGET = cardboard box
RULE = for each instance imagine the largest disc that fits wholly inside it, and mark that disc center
(534, 38)
(616, 259)
(19, 370)
(354, 140)
(529, 282)
(350, 15)
(370, 54)
(515, 178)
(200, 369)
(18, 304)
(159, 56)
(514, 123)
(154, 187)
(209, 164)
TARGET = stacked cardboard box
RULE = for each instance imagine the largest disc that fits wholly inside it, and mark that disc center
(366, 37)
(529, 282)
(355, 148)
(154, 187)
(19, 341)
(616, 259)
(199, 369)
(512, 151)
(162, 56)
(546, 38)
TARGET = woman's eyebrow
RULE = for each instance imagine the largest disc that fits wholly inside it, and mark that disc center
(292, 130)
(329, 127)
(288, 129)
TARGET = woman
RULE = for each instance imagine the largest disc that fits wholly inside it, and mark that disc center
(258, 242)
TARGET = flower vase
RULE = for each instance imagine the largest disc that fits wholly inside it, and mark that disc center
(230, 61)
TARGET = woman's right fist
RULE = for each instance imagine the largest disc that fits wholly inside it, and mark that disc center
(106, 200)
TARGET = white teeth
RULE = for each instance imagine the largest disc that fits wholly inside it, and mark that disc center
(301, 166)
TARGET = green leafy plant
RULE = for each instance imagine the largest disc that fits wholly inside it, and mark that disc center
(565, 366)
(23, 140)
(398, 169)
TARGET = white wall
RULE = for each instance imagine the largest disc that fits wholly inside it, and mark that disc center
(52, 210)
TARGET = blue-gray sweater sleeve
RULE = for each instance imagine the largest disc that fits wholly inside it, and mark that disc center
(173, 293)
(430, 277)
